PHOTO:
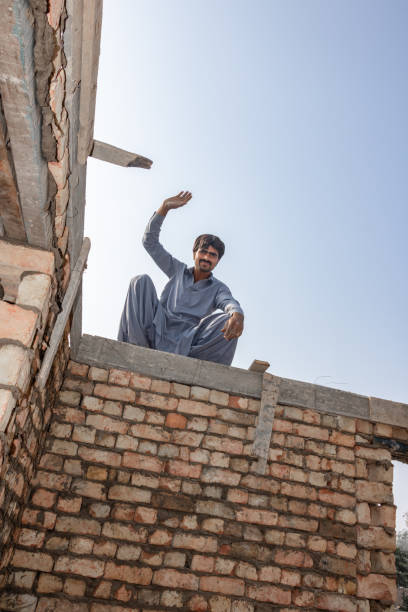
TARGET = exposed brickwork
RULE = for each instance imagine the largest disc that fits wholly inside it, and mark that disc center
(25, 329)
(146, 498)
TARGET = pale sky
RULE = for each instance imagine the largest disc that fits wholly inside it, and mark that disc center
(287, 121)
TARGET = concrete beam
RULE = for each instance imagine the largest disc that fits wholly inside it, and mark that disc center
(105, 353)
(263, 432)
(119, 157)
(17, 88)
(91, 42)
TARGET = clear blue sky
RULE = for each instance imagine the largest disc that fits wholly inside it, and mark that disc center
(287, 120)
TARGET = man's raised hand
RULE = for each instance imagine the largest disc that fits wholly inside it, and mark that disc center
(177, 201)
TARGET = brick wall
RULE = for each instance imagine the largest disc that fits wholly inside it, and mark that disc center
(26, 320)
(146, 498)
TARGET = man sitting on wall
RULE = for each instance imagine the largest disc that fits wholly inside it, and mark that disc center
(183, 321)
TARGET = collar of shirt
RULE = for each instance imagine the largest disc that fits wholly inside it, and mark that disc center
(191, 272)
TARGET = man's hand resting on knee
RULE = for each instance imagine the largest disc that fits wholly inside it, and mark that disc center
(234, 326)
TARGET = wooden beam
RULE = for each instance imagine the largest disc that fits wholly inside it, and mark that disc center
(114, 155)
(62, 319)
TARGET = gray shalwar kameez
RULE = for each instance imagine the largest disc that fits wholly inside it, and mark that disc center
(183, 321)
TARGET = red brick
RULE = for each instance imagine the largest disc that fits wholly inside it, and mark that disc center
(161, 402)
(155, 558)
(291, 557)
(130, 494)
(104, 549)
(145, 515)
(91, 568)
(193, 542)
(69, 504)
(374, 492)
(291, 578)
(270, 574)
(47, 583)
(197, 408)
(72, 398)
(71, 524)
(61, 430)
(123, 394)
(17, 323)
(337, 603)
(218, 475)
(44, 498)
(32, 560)
(336, 499)
(60, 482)
(99, 456)
(120, 531)
(297, 522)
(203, 564)
(119, 377)
(74, 587)
(303, 599)
(105, 423)
(223, 444)
(235, 401)
(237, 496)
(71, 415)
(308, 431)
(183, 469)
(89, 489)
(175, 420)
(282, 426)
(198, 604)
(187, 438)
(31, 538)
(63, 447)
(140, 382)
(175, 579)
(342, 439)
(133, 575)
(161, 537)
(270, 594)
(297, 490)
(150, 433)
(264, 484)
(260, 517)
(142, 462)
(93, 404)
(227, 586)
(78, 369)
(375, 537)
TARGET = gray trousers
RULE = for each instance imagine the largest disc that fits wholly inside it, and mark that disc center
(137, 326)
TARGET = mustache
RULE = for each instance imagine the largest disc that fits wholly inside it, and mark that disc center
(204, 261)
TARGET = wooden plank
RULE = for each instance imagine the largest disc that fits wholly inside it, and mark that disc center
(105, 353)
(263, 433)
(259, 366)
(120, 157)
(62, 319)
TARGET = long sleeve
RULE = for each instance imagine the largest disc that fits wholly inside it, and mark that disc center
(166, 262)
(224, 301)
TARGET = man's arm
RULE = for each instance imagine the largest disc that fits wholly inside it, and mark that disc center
(166, 262)
(235, 324)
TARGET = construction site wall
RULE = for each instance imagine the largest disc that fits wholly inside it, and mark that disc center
(26, 320)
(147, 498)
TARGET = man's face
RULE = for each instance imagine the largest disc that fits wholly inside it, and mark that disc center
(205, 259)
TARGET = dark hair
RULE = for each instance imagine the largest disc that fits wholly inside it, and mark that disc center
(206, 240)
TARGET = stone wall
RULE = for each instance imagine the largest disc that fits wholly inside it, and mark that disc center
(26, 319)
(147, 498)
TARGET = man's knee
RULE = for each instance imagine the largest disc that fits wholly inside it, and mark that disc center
(141, 279)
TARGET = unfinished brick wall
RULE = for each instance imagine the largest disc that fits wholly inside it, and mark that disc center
(26, 319)
(146, 499)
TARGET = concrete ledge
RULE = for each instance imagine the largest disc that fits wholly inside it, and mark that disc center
(105, 353)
